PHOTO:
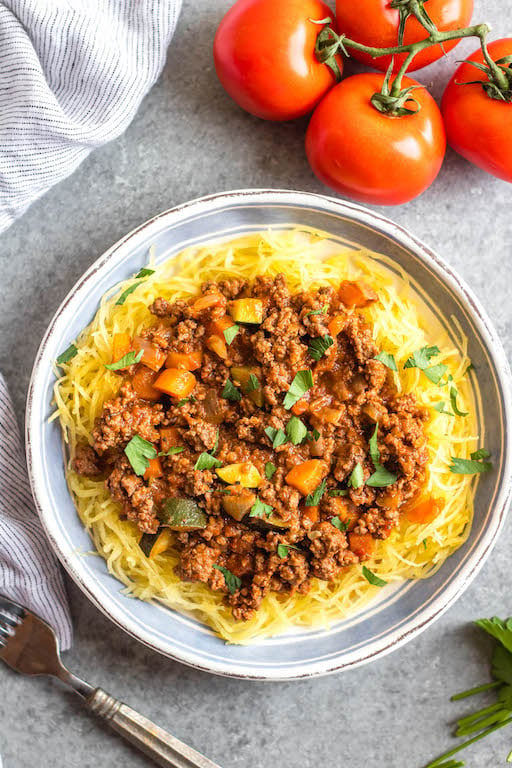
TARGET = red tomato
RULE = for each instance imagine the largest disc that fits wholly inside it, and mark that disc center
(477, 126)
(370, 156)
(375, 23)
(264, 53)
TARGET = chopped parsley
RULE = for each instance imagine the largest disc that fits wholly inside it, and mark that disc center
(338, 492)
(381, 477)
(473, 466)
(233, 583)
(207, 461)
(276, 436)
(356, 479)
(230, 392)
(67, 355)
(270, 470)
(318, 347)
(314, 435)
(387, 359)
(421, 359)
(144, 272)
(283, 549)
(302, 382)
(322, 311)
(230, 333)
(481, 453)
(129, 359)
(184, 400)
(138, 452)
(339, 525)
(296, 430)
(372, 578)
(253, 383)
(173, 450)
(453, 400)
(440, 408)
(259, 509)
(313, 499)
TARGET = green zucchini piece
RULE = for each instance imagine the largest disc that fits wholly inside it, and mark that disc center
(182, 515)
(148, 541)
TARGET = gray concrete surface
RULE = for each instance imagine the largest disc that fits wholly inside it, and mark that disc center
(189, 139)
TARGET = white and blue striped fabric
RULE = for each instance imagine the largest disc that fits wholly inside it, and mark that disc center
(29, 572)
(72, 75)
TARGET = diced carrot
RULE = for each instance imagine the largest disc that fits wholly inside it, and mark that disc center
(426, 511)
(189, 362)
(356, 294)
(220, 324)
(217, 344)
(336, 325)
(305, 477)
(142, 382)
(311, 514)
(152, 355)
(300, 407)
(361, 544)
(154, 469)
(169, 438)
(176, 382)
(121, 345)
(162, 544)
(208, 301)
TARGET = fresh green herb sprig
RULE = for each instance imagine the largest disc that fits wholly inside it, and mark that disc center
(233, 583)
(421, 359)
(302, 382)
(208, 460)
(381, 477)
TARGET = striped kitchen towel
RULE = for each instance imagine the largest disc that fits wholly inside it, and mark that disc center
(29, 572)
(72, 75)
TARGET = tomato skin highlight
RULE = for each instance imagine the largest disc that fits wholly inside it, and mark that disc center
(264, 54)
(477, 126)
(369, 156)
(375, 23)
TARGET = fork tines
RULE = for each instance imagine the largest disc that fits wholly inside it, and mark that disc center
(11, 616)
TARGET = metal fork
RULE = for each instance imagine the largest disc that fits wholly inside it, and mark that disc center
(29, 645)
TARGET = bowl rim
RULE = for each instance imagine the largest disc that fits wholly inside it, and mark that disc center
(445, 273)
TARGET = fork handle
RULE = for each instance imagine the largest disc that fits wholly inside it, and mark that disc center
(164, 749)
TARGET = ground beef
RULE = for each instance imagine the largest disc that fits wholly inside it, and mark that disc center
(289, 539)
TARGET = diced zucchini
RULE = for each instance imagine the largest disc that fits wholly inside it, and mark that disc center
(246, 311)
(238, 503)
(242, 375)
(244, 474)
(182, 515)
(153, 544)
(274, 522)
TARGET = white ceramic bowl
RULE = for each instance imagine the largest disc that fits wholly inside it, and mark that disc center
(401, 612)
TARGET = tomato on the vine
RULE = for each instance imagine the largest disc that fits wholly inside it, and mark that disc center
(264, 53)
(477, 125)
(370, 156)
(375, 23)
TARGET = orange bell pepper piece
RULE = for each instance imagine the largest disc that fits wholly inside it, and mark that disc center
(169, 438)
(189, 362)
(311, 513)
(426, 511)
(336, 325)
(305, 477)
(154, 469)
(142, 382)
(356, 294)
(121, 345)
(176, 382)
(362, 544)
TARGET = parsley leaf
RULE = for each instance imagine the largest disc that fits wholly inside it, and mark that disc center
(314, 435)
(296, 430)
(129, 359)
(270, 470)
(253, 383)
(388, 360)
(453, 400)
(502, 665)
(174, 449)
(482, 453)
(230, 333)
(469, 466)
(318, 347)
(421, 359)
(356, 478)
(277, 436)
(207, 461)
(339, 525)
(259, 509)
(439, 407)
(322, 311)
(313, 499)
(230, 392)
(302, 382)
(381, 477)
(499, 629)
(144, 272)
(338, 492)
(67, 355)
(233, 583)
(436, 372)
(184, 400)
(283, 549)
(121, 300)
(372, 578)
(138, 452)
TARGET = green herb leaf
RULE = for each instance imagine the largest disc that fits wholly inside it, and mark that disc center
(67, 355)
(453, 400)
(283, 549)
(184, 400)
(302, 382)
(253, 383)
(230, 333)
(270, 470)
(230, 392)
(226, 491)
(482, 453)
(318, 347)
(388, 360)
(424, 542)
(381, 477)
(207, 461)
(313, 499)
(259, 509)
(356, 479)
(138, 452)
(121, 300)
(296, 430)
(439, 407)
(144, 272)
(322, 311)
(421, 358)
(469, 466)
(338, 492)
(372, 578)
(129, 359)
(314, 435)
(233, 583)
(502, 664)
(339, 525)
(173, 450)
(499, 629)
(436, 372)
(277, 436)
